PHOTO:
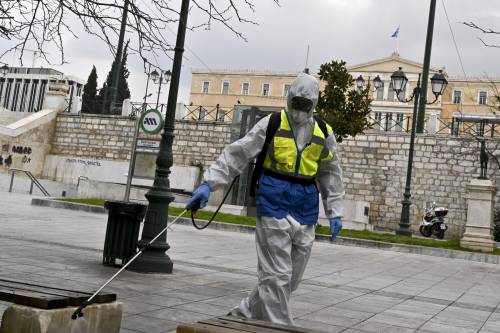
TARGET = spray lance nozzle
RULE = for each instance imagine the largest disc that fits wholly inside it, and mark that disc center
(194, 207)
(78, 312)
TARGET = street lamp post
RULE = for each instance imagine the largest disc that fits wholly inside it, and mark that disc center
(154, 259)
(158, 78)
(425, 70)
(147, 86)
(360, 82)
(113, 89)
(399, 81)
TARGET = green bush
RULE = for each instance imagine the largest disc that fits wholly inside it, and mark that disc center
(496, 223)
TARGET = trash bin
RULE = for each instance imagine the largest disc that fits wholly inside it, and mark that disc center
(122, 231)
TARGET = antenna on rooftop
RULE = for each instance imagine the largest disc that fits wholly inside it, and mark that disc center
(306, 69)
(35, 55)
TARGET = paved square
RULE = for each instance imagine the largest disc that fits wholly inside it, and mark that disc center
(345, 289)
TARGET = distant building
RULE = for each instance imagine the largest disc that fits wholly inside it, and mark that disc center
(24, 89)
(474, 96)
(226, 88)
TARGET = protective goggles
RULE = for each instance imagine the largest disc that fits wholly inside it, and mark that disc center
(301, 104)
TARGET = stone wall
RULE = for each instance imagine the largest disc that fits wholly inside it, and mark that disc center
(375, 168)
(374, 164)
(110, 137)
(25, 143)
(92, 136)
(199, 143)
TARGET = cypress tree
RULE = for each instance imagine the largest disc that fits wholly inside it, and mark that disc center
(89, 99)
(123, 91)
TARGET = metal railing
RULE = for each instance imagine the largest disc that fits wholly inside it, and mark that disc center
(209, 113)
(33, 179)
(193, 112)
(390, 122)
(457, 126)
(138, 108)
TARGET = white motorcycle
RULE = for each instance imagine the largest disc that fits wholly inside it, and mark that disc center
(433, 221)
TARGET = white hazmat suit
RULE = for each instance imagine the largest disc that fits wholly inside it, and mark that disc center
(283, 244)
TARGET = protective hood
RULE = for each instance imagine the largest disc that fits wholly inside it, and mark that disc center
(306, 86)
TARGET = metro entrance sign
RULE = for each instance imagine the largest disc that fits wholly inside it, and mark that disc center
(151, 121)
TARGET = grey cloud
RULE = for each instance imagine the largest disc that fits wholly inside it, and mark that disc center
(354, 30)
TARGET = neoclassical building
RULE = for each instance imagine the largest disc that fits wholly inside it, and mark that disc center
(23, 89)
(225, 89)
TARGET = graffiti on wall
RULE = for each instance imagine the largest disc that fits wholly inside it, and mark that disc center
(84, 162)
(8, 150)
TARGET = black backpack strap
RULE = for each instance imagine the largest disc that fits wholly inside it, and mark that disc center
(272, 127)
(322, 126)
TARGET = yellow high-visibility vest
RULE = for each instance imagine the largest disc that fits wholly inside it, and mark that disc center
(284, 158)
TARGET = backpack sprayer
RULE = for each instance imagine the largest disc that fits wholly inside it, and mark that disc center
(78, 312)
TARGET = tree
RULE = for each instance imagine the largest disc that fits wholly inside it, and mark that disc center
(485, 31)
(102, 101)
(488, 32)
(89, 98)
(45, 24)
(339, 104)
(123, 89)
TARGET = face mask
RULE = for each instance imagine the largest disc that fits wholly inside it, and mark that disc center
(300, 108)
(299, 117)
(301, 104)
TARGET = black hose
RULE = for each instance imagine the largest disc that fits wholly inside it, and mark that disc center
(218, 208)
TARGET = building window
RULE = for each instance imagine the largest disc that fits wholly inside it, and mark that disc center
(457, 97)
(24, 94)
(2, 82)
(225, 87)
(388, 122)
(390, 93)
(286, 90)
(483, 96)
(245, 88)
(380, 92)
(203, 113)
(6, 98)
(31, 105)
(15, 98)
(41, 95)
(399, 122)
(221, 116)
(402, 94)
(265, 89)
(206, 84)
(79, 90)
(378, 120)
(480, 129)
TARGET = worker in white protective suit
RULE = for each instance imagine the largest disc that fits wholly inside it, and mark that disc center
(300, 160)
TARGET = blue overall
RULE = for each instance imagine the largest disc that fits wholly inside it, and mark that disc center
(278, 198)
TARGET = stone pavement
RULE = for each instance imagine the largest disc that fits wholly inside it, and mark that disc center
(345, 289)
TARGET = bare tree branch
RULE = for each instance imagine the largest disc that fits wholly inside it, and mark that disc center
(44, 24)
(487, 31)
(486, 44)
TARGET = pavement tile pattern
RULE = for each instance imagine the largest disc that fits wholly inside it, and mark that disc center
(345, 289)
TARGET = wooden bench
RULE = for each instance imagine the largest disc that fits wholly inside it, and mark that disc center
(231, 324)
(44, 309)
(43, 297)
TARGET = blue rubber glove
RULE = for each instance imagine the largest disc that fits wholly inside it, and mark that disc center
(202, 193)
(335, 227)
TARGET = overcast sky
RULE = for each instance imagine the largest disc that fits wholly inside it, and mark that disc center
(353, 30)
